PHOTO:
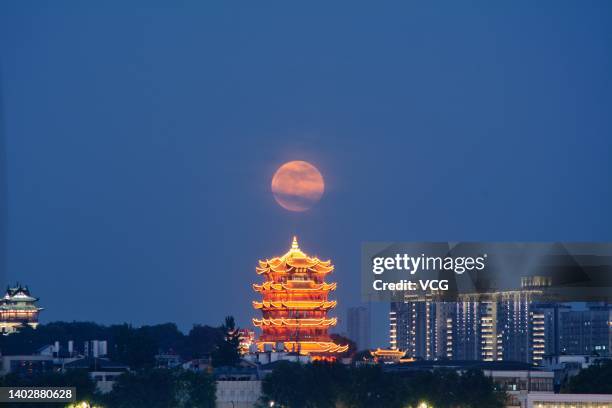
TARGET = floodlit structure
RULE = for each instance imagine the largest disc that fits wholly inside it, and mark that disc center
(387, 355)
(295, 304)
(17, 309)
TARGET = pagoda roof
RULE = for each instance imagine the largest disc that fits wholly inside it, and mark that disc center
(19, 292)
(393, 353)
(294, 261)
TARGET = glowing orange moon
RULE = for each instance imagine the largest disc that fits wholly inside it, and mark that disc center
(297, 185)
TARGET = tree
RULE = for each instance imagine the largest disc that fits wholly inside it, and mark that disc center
(134, 346)
(370, 386)
(322, 385)
(227, 352)
(195, 390)
(475, 390)
(162, 388)
(202, 340)
(362, 355)
(86, 388)
(146, 388)
(438, 388)
(592, 380)
(282, 386)
(339, 339)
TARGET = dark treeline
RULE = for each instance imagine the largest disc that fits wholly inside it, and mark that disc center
(134, 346)
(147, 388)
(597, 379)
(321, 385)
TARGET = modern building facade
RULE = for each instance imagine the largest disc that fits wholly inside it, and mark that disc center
(546, 400)
(358, 326)
(587, 332)
(497, 326)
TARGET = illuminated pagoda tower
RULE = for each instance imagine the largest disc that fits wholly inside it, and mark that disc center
(295, 305)
(17, 309)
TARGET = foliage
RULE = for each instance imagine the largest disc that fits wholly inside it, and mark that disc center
(592, 380)
(162, 388)
(370, 386)
(339, 339)
(333, 385)
(133, 346)
(227, 352)
(362, 356)
(202, 340)
(195, 390)
(86, 388)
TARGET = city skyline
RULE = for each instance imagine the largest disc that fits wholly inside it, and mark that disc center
(139, 158)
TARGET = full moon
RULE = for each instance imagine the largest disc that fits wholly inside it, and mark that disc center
(297, 185)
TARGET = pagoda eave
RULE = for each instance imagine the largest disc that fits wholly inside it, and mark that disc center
(307, 347)
(282, 322)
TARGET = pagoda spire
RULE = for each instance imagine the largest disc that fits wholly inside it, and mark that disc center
(294, 245)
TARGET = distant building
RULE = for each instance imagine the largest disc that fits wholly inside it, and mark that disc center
(550, 315)
(358, 326)
(516, 379)
(387, 355)
(539, 400)
(567, 366)
(95, 348)
(247, 339)
(58, 358)
(102, 371)
(167, 360)
(422, 327)
(237, 387)
(496, 326)
(203, 364)
(587, 331)
(17, 309)
(27, 365)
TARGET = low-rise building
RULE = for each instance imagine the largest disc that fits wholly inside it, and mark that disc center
(534, 400)
(198, 365)
(26, 365)
(102, 371)
(237, 387)
(567, 366)
(167, 360)
(517, 379)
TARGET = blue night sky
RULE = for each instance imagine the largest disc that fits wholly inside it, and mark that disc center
(140, 141)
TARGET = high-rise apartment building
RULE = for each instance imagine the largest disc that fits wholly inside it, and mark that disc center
(587, 331)
(496, 326)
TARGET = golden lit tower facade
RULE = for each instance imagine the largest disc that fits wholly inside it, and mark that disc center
(295, 304)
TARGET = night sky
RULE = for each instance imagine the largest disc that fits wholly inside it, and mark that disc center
(140, 141)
